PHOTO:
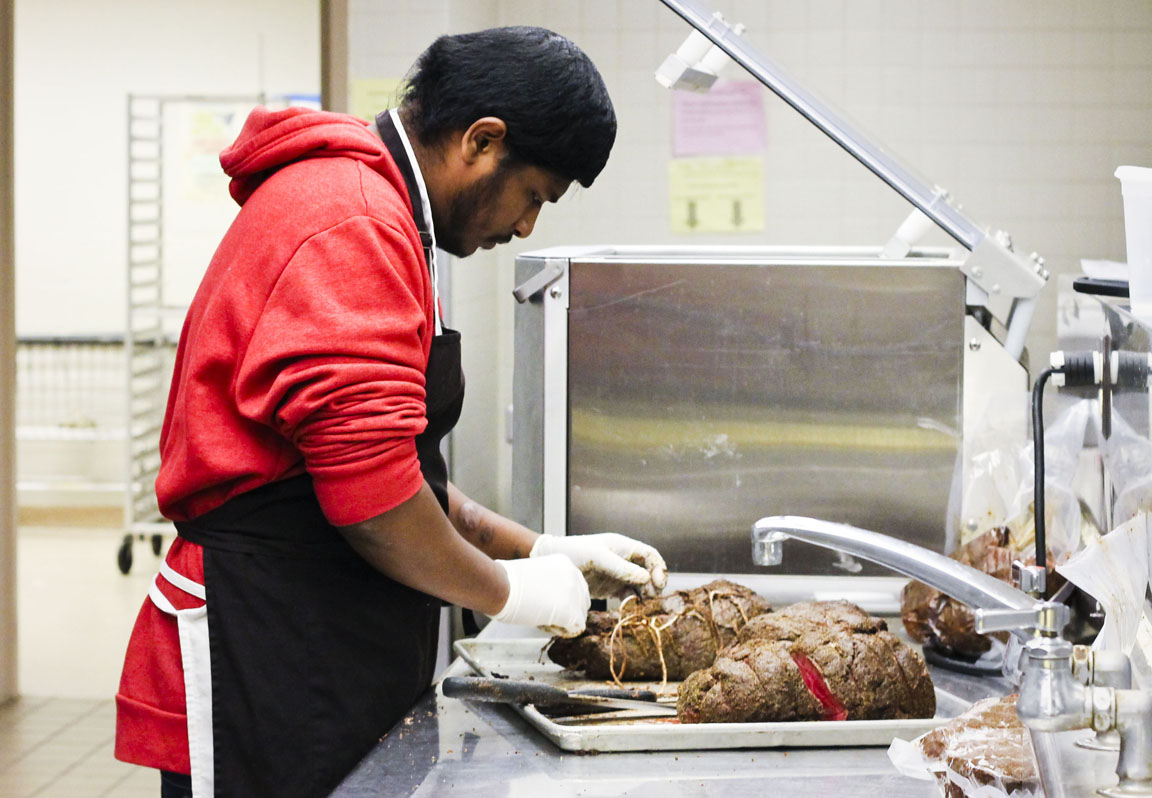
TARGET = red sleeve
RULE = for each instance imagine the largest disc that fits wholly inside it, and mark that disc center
(336, 365)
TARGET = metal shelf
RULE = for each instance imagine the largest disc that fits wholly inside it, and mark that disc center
(151, 319)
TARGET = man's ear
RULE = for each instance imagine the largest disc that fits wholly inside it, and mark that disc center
(484, 139)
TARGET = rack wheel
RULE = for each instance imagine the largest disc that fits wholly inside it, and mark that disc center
(124, 555)
(157, 544)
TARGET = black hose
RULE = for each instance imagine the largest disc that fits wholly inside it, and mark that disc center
(1038, 464)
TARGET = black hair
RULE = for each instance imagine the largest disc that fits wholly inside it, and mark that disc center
(544, 88)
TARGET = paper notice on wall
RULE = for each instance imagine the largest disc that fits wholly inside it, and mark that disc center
(196, 134)
(726, 120)
(716, 195)
(196, 208)
(369, 96)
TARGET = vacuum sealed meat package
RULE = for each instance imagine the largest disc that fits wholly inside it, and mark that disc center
(933, 618)
(986, 752)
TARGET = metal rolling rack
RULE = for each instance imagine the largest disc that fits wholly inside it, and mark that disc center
(144, 341)
(149, 342)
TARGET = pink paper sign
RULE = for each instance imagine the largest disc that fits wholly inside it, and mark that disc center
(726, 120)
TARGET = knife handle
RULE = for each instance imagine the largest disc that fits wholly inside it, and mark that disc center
(502, 691)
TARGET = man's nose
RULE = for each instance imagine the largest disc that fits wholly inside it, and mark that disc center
(523, 228)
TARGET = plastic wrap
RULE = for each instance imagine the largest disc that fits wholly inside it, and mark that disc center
(998, 496)
(985, 752)
(1000, 484)
(1128, 459)
(1114, 570)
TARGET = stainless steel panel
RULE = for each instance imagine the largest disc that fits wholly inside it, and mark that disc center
(707, 388)
(705, 395)
(528, 405)
(705, 392)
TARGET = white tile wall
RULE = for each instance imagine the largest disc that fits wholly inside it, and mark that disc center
(1021, 108)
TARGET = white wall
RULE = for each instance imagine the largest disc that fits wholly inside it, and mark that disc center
(8, 630)
(1021, 109)
(76, 62)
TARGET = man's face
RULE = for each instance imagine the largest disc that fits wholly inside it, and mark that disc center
(495, 208)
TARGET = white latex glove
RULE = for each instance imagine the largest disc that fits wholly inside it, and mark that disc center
(614, 565)
(548, 592)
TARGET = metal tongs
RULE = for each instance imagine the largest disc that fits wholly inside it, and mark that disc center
(582, 701)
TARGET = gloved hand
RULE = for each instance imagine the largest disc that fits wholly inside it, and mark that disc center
(548, 592)
(614, 565)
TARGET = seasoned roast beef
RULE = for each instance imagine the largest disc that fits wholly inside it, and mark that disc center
(811, 661)
(808, 616)
(667, 636)
(753, 681)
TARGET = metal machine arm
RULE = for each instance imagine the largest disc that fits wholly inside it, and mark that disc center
(999, 272)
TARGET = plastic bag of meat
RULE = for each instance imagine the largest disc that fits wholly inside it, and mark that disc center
(933, 618)
(810, 661)
(986, 752)
(666, 637)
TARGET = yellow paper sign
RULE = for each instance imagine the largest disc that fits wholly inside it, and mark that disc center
(716, 195)
(370, 96)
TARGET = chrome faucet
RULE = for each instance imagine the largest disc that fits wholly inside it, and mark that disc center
(1103, 668)
(1061, 686)
(966, 584)
(1066, 687)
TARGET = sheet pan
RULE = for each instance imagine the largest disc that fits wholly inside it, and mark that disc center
(525, 658)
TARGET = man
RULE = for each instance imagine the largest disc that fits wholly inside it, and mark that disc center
(294, 620)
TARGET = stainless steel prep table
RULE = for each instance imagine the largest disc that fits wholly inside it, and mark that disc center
(445, 747)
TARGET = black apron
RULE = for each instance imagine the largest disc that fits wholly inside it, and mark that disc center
(315, 655)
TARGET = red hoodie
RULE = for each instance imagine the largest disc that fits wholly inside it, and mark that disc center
(305, 348)
(307, 342)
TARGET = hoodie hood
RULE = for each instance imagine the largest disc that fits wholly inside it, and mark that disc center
(272, 139)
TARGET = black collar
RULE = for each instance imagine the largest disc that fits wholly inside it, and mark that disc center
(391, 138)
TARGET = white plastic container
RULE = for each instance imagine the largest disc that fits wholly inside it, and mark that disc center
(1136, 185)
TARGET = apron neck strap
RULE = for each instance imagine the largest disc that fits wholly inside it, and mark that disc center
(396, 141)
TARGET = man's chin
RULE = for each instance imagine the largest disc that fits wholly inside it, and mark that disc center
(486, 244)
(456, 250)
(462, 250)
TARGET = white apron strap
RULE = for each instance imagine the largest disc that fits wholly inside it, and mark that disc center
(428, 223)
(184, 583)
(192, 624)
